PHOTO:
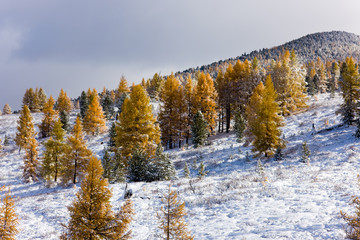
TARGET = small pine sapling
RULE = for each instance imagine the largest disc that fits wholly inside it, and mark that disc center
(202, 173)
(305, 157)
(247, 157)
(7, 140)
(279, 156)
(186, 171)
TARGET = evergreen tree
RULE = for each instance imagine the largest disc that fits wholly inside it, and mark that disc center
(204, 99)
(7, 140)
(305, 156)
(54, 153)
(108, 107)
(172, 217)
(7, 109)
(112, 136)
(64, 118)
(136, 125)
(30, 172)
(357, 133)
(25, 128)
(202, 173)
(77, 155)
(84, 104)
(350, 86)
(63, 102)
(189, 102)
(94, 120)
(186, 170)
(8, 218)
(114, 169)
(91, 216)
(264, 121)
(279, 156)
(164, 168)
(199, 130)
(239, 125)
(49, 118)
(139, 167)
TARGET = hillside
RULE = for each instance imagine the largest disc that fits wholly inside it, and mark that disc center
(292, 200)
(335, 45)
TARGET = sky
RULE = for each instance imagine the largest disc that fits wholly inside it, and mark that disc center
(76, 45)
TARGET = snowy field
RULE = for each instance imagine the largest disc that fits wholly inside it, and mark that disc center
(290, 200)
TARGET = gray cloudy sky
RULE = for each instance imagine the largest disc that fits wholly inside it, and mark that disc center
(79, 44)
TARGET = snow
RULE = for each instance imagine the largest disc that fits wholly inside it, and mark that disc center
(292, 200)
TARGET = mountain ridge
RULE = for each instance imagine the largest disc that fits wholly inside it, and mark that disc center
(333, 45)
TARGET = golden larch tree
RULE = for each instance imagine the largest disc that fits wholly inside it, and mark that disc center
(25, 128)
(54, 153)
(8, 218)
(77, 155)
(172, 217)
(63, 102)
(205, 99)
(31, 162)
(50, 117)
(172, 112)
(122, 88)
(137, 126)
(94, 120)
(91, 216)
(264, 121)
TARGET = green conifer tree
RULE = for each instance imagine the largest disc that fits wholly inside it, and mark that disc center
(199, 130)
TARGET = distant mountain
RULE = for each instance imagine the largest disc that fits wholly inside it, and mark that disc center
(335, 45)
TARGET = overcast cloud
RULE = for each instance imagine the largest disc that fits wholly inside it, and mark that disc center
(80, 44)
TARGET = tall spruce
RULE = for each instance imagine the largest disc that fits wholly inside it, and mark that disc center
(199, 130)
(65, 120)
(239, 125)
(91, 216)
(84, 104)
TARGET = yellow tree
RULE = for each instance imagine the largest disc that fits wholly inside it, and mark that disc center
(289, 81)
(50, 116)
(189, 101)
(77, 155)
(54, 153)
(137, 125)
(122, 88)
(172, 218)
(264, 121)
(205, 99)
(31, 161)
(8, 218)
(91, 216)
(25, 128)
(63, 102)
(350, 86)
(94, 120)
(172, 111)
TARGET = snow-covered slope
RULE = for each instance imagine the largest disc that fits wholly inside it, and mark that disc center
(292, 200)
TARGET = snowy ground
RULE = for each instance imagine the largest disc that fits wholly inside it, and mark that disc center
(292, 200)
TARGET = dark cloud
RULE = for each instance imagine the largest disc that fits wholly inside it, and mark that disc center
(81, 44)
